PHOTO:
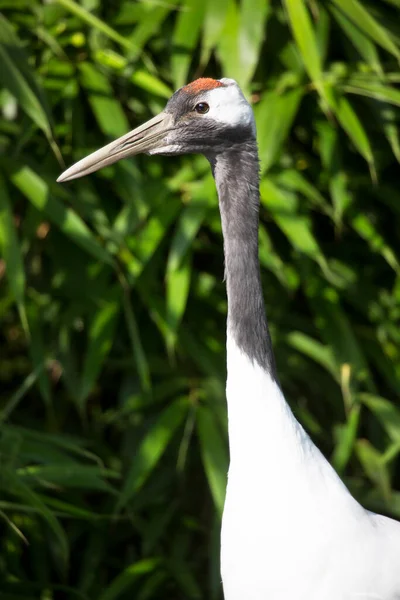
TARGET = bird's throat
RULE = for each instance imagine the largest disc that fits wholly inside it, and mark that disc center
(236, 174)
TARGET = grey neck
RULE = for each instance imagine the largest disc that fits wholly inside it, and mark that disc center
(236, 173)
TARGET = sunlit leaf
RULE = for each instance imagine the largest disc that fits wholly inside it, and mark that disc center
(185, 37)
(364, 20)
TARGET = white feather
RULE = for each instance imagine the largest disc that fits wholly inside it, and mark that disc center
(229, 106)
(291, 530)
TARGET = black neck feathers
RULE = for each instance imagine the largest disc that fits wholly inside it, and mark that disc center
(236, 173)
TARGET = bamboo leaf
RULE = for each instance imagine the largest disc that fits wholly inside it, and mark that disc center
(227, 49)
(19, 488)
(178, 285)
(102, 101)
(347, 439)
(214, 455)
(364, 20)
(275, 114)
(387, 414)
(17, 76)
(151, 449)
(10, 247)
(375, 467)
(305, 38)
(282, 205)
(318, 352)
(87, 17)
(127, 578)
(361, 42)
(253, 18)
(214, 22)
(354, 129)
(100, 334)
(37, 191)
(185, 37)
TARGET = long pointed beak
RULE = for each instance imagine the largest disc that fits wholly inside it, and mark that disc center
(144, 138)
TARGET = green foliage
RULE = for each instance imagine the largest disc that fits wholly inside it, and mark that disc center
(113, 425)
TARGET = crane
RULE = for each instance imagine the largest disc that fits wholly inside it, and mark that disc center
(291, 530)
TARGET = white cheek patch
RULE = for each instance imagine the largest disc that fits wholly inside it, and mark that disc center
(229, 106)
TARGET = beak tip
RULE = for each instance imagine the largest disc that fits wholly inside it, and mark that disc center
(65, 176)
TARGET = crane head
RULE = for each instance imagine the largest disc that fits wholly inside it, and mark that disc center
(207, 116)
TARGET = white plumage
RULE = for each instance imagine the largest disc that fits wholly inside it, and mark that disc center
(291, 530)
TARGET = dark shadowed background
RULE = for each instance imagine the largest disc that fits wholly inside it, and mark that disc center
(113, 447)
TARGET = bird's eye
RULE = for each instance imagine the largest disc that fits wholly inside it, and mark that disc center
(202, 108)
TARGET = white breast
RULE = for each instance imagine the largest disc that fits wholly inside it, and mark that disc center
(291, 530)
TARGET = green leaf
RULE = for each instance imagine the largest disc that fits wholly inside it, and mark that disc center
(102, 101)
(129, 576)
(187, 227)
(347, 436)
(354, 129)
(374, 466)
(320, 353)
(147, 241)
(306, 41)
(366, 229)
(178, 285)
(19, 488)
(337, 177)
(360, 41)
(38, 353)
(185, 37)
(100, 334)
(227, 49)
(364, 20)
(253, 19)
(386, 412)
(17, 76)
(151, 449)
(213, 24)
(293, 180)
(274, 115)
(138, 353)
(282, 205)
(372, 89)
(10, 247)
(337, 332)
(90, 19)
(37, 191)
(150, 83)
(148, 25)
(71, 476)
(214, 455)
